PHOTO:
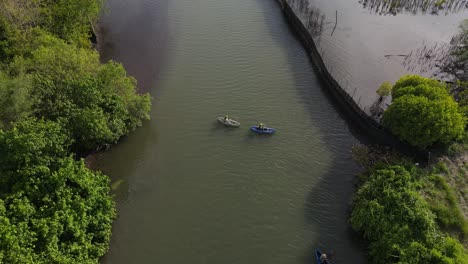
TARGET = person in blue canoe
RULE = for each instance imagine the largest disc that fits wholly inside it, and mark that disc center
(260, 126)
(324, 259)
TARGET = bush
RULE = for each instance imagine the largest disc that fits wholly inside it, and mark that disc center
(423, 113)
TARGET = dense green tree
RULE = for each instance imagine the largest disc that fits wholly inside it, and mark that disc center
(423, 122)
(15, 101)
(71, 20)
(5, 40)
(21, 13)
(52, 208)
(97, 103)
(423, 113)
(398, 223)
(420, 86)
(412, 80)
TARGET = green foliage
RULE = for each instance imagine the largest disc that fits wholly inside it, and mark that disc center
(398, 223)
(15, 102)
(423, 90)
(52, 208)
(55, 97)
(441, 167)
(97, 103)
(70, 19)
(423, 113)
(30, 142)
(415, 80)
(6, 37)
(384, 89)
(443, 203)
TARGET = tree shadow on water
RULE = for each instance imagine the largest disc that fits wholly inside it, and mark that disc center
(137, 35)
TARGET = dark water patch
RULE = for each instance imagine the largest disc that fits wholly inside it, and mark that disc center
(131, 38)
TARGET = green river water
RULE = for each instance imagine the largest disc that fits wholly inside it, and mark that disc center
(189, 190)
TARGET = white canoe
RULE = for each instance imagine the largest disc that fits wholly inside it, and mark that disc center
(228, 122)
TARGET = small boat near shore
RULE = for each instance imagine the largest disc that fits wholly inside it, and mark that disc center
(228, 122)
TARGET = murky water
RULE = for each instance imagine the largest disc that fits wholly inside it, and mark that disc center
(191, 190)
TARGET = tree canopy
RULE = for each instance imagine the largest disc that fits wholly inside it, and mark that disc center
(97, 103)
(52, 208)
(57, 101)
(15, 102)
(423, 113)
(70, 20)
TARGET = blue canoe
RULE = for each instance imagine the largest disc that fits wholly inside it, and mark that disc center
(265, 130)
(317, 256)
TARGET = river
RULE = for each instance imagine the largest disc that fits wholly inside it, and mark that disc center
(188, 189)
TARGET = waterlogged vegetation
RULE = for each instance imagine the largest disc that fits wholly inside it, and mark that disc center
(57, 102)
(414, 6)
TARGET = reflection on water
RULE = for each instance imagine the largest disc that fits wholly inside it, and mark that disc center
(434, 7)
